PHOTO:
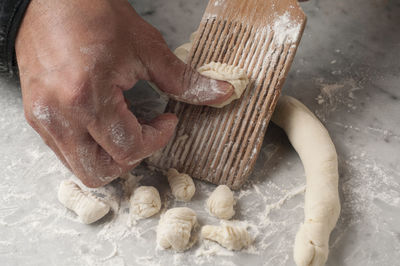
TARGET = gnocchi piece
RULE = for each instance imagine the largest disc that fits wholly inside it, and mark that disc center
(228, 236)
(221, 202)
(229, 73)
(216, 70)
(175, 227)
(182, 185)
(145, 201)
(87, 206)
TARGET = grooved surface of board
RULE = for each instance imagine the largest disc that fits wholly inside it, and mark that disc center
(220, 145)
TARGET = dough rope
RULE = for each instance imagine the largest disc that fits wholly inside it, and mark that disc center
(312, 142)
(221, 202)
(228, 236)
(145, 201)
(182, 185)
(87, 206)
(175, 227)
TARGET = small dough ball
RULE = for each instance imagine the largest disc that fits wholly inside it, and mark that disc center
(87, 206)
(182, 185)
(145, 201)
(175, 227)
(232, 74)
(221, 202)
(228, 236)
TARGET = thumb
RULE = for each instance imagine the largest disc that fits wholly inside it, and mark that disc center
(180, 81)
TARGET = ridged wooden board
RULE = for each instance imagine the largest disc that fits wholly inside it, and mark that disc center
(221, 145)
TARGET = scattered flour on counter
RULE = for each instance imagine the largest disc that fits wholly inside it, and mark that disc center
(33, 224)
(333, 96)
(273, 212)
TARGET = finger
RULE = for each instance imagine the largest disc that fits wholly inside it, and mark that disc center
(120, 134)
(179, 80)
(49, 141)
(34, 118)
(90, 162)
(158, 132)
(87, 160)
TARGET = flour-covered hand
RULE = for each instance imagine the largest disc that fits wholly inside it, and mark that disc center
(75, 59)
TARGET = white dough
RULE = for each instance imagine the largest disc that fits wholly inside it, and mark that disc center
(175, 227)
(88, 207)
(318, 155)
(229, 236)
(220, 71)
(232, 74)
(182, 51)
(145, 201)
(221, 202)
(182, 185)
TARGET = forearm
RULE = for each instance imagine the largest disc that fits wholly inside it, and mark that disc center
(11, 14)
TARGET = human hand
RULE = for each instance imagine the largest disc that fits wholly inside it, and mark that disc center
(76, 58)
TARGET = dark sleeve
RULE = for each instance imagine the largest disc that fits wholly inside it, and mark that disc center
(11, 14)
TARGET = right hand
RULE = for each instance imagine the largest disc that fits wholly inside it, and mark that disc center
(76, 58)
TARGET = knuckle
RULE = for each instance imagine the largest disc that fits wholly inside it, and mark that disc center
(37, 110)
(77, 92)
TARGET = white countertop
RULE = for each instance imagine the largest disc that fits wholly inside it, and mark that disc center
(347, 70)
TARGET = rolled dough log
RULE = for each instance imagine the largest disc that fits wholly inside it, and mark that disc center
(312, 142)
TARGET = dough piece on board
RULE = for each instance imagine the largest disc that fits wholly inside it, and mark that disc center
(221, 202)
(312, 142)
(229, 236)
(232, 74)
(220, 71)
(145, 201)
(175, 227)
(182, 185)
(87, 206)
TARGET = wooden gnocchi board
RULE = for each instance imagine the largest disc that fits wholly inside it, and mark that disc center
(221, 145)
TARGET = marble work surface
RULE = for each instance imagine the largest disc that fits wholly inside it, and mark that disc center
(347, 70)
